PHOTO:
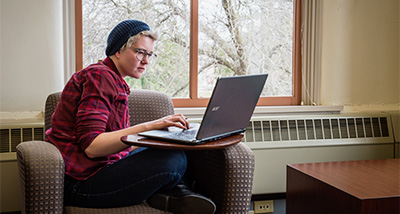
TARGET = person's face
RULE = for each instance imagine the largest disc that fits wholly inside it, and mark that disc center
(127, 62)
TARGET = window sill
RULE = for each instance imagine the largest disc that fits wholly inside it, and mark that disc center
(269, 110)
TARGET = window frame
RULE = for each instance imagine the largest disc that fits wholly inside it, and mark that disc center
(194, 100)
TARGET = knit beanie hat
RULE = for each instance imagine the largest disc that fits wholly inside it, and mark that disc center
(122, 32)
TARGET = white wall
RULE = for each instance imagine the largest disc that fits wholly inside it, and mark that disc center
(360, 53)
(31, 53)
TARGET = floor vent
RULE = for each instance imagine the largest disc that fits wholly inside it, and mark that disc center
(318, 128)
(11, 137)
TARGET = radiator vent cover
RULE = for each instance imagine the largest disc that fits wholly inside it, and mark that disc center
(321, 129)
(268, 131)
(11, 137)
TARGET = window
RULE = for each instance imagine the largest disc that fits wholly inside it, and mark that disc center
(202, 40)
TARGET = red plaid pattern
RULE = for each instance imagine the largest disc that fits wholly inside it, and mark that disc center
(95, 100)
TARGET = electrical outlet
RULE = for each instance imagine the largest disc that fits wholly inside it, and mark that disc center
(264, 206)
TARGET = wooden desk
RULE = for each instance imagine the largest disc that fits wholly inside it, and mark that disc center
(135, 140)
(371, 186)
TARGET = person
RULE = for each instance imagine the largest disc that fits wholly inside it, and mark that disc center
(91, 117)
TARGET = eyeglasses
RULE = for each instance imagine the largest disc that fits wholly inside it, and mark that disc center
(141, 54)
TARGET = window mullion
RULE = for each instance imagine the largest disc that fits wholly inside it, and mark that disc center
(78, 36)
(194, 37)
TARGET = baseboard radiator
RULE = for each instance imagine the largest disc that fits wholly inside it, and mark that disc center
(280, 140)
(317, 130)
(264, 131)
(13, 134)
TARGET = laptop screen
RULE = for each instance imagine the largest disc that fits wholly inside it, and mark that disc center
(231, 104)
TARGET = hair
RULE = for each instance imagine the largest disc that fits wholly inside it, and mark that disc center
(133, 39)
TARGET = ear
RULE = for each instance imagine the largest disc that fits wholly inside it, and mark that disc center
(117, 54)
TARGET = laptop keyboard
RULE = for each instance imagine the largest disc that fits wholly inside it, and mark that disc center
(185, 135)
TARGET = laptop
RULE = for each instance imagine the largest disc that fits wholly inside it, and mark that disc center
(228, 112)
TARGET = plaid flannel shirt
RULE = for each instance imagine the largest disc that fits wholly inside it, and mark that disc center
(94, 101)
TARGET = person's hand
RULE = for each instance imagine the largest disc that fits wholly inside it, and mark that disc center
(177, 120)
(108, 143)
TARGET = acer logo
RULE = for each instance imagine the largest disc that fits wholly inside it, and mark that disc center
(215, 108)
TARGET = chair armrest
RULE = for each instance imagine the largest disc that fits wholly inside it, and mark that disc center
(41, 170)
(226, 176)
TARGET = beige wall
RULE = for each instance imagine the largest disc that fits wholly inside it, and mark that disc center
(360, 53)
(31, 53)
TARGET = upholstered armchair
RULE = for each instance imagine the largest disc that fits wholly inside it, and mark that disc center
(224, 175)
